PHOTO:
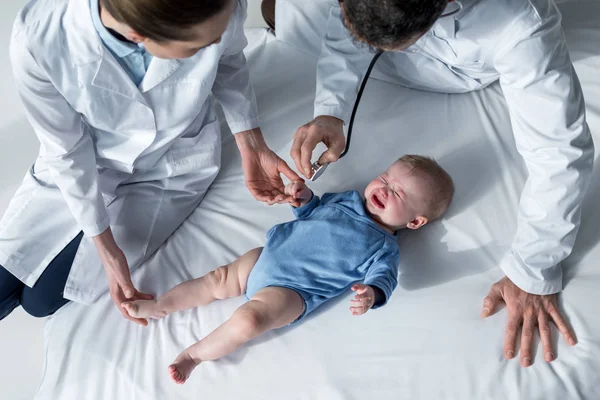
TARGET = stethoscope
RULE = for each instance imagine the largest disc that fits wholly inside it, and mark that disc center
(453, 7)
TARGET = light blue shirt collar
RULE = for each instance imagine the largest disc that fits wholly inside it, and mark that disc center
(118, 48)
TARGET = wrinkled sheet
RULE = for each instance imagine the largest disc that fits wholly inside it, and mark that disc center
(429, 341)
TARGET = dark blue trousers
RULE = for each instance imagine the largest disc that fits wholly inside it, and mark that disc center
(46, 296)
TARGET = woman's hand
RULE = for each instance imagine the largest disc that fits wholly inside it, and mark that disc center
(263, 168)
(117, 273)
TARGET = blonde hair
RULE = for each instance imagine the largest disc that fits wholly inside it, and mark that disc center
(443, 186)
(163, 20)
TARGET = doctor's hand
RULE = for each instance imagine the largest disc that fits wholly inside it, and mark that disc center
(526, 312)
(326, 129)
(117, 273)
(263, 169)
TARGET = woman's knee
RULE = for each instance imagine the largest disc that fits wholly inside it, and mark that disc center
(41, 305)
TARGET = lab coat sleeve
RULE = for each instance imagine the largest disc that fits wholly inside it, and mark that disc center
(232, 87)
(547, 114)
(66, 148)
(340, 70)
(383, 273)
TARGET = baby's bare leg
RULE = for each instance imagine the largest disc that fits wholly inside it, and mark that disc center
(226, 281)
(270, 308)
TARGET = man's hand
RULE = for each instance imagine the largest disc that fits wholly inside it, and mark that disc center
(364, 299)
(326, 129)
(299, 192)
(263, 168)
(526, 310)
(117, 273)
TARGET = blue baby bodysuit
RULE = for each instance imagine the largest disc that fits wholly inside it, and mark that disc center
(331, 245)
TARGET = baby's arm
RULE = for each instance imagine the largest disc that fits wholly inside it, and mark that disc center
(380, 281)
(301, 193)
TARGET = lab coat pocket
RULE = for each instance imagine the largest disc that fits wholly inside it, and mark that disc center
(203, 150)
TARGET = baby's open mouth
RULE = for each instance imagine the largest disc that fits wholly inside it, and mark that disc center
(376, 202)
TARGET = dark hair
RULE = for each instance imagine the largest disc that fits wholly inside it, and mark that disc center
(161, 20)
(390, 23)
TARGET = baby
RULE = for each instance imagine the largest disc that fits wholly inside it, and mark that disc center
(335, 241)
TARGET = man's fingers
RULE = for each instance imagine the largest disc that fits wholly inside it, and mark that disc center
(560, 322)
(295, 152)
(510, 334)
(306, 151)
(545, 335)
(332, 154)
(490, 302)
(527, 338)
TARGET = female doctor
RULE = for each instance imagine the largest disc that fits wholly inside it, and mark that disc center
(117, 92)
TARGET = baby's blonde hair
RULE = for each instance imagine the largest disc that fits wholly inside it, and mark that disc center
(443, 186)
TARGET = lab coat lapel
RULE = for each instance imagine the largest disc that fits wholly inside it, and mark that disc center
(159, 70)
(443, 33)
(95, 64)
(111, 76)
(445, 27)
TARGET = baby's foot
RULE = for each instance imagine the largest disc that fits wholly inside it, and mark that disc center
(182, 368)
(143, 309)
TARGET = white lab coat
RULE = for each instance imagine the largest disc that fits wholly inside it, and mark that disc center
(521, 44)
(112, 154)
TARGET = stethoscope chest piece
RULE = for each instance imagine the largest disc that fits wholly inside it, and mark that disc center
(317, 170)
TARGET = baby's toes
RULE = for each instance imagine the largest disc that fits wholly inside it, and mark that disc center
(176, 376)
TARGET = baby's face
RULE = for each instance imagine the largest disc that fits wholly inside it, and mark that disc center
(398, 196)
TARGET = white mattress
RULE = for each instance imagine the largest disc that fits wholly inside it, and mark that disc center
(429, 341)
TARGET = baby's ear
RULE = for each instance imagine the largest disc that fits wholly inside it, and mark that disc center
(417, 222)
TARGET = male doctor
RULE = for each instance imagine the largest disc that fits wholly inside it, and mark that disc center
(519, 43)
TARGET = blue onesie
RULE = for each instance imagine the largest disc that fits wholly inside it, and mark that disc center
(331, 245)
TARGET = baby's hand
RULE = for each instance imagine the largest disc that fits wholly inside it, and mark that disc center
(299, 191)
(364, 299)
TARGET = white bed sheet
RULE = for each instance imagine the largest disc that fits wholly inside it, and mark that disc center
(428, 342)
